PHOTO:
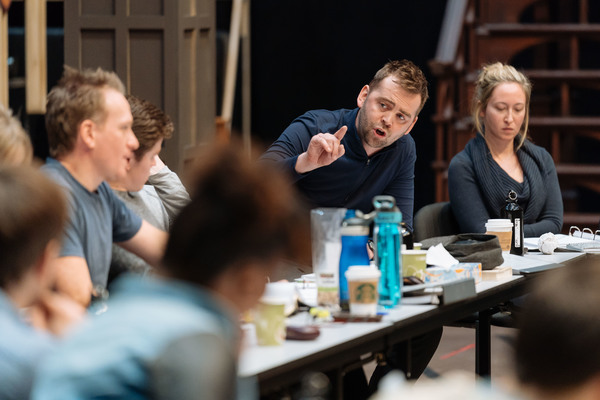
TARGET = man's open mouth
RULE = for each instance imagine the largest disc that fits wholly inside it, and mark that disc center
(379, 133)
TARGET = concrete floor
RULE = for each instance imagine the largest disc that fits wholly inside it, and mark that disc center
(456, 351)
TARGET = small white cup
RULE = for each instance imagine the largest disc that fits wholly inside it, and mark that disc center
(363, 292)
(285, 292)
(501, 228)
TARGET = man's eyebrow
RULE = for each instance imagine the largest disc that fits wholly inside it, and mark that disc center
(406, 113)
(402, 111)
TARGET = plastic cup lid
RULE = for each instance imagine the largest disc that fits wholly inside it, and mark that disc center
(500, 223)
(362, 272)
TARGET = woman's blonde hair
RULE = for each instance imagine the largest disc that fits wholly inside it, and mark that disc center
(489, 78)
(15, 145)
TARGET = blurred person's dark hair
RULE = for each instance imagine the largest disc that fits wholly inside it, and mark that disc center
(150, 124)
(558, 345)
(241, 211)
(33, 213)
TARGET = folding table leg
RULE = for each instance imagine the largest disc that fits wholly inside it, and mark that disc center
(483, 344)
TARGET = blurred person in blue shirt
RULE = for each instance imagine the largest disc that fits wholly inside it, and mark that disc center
(175, 333)
(32, 217)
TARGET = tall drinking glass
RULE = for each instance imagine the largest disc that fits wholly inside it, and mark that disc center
(326, 249)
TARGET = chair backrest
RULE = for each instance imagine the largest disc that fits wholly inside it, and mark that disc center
(434, 220)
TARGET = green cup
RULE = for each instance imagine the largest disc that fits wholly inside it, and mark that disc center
(269, 319)
(413, 263)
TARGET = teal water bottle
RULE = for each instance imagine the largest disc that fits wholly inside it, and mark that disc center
(388, 241)
(354, 232)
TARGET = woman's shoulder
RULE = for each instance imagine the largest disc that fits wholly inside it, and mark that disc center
(537, 151)
(462, 159)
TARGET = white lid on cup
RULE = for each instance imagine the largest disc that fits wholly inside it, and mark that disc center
(498, 225)
(359, 272)
(280, 293)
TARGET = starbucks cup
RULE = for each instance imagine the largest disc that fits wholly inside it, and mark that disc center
(362, 289)
(501, 228)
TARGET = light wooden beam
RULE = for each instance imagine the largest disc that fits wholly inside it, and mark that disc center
(3, 57)
(231, 63)
(36, 84)
(246, 78)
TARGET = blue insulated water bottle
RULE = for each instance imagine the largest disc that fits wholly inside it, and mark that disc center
(354, 232)
(388, 240)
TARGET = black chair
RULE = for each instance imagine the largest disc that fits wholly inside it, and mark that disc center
(437, 219)
(434, 220)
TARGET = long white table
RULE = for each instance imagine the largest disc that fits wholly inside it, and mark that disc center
(339, 346)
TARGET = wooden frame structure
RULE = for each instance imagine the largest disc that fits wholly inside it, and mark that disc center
(476, 32)
(163, 50)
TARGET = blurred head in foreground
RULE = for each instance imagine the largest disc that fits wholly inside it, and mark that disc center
(244, 217)
(32, 216)
(15, 145)
(558, 346)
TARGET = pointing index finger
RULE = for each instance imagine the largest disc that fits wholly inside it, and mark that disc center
(341, 132)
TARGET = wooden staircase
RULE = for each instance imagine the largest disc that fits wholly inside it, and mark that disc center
(556, 43)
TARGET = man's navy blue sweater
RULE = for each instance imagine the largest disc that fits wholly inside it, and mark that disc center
(355, 178)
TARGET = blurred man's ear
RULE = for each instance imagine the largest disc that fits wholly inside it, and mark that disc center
(86, 133)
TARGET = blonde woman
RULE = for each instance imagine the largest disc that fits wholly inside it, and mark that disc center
(501, 158)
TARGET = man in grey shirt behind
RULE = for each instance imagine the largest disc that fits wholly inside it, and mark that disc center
(149, 188)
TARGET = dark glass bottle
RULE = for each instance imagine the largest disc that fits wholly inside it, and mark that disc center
(514, 212)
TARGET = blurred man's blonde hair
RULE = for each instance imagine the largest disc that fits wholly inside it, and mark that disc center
(78, 96)
(15, 145)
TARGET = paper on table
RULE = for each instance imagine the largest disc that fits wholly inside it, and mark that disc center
(563, 240)
(438, 255)
(533, 260)
(519, 262)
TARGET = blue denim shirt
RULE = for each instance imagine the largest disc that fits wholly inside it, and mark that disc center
(159, 338)
(21, 348)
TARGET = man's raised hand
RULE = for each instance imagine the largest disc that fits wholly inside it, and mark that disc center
(323, 149)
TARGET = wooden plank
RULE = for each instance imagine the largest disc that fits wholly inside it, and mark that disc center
(565, 122)
(232, 62)
(578, 169)
(4, 57)
(573, 75)
(563, 74)
(538, 29)
(36, 85)
(450, 34)
(581, 220)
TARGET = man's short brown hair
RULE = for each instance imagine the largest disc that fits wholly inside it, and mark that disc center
(407, 75)
(78, 96)
(150, 124)
(33, 213)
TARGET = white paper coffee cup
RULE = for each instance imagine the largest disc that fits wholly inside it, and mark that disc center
(501, 228)
(363, 293)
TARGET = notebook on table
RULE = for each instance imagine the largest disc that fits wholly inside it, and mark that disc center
(588, 241)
